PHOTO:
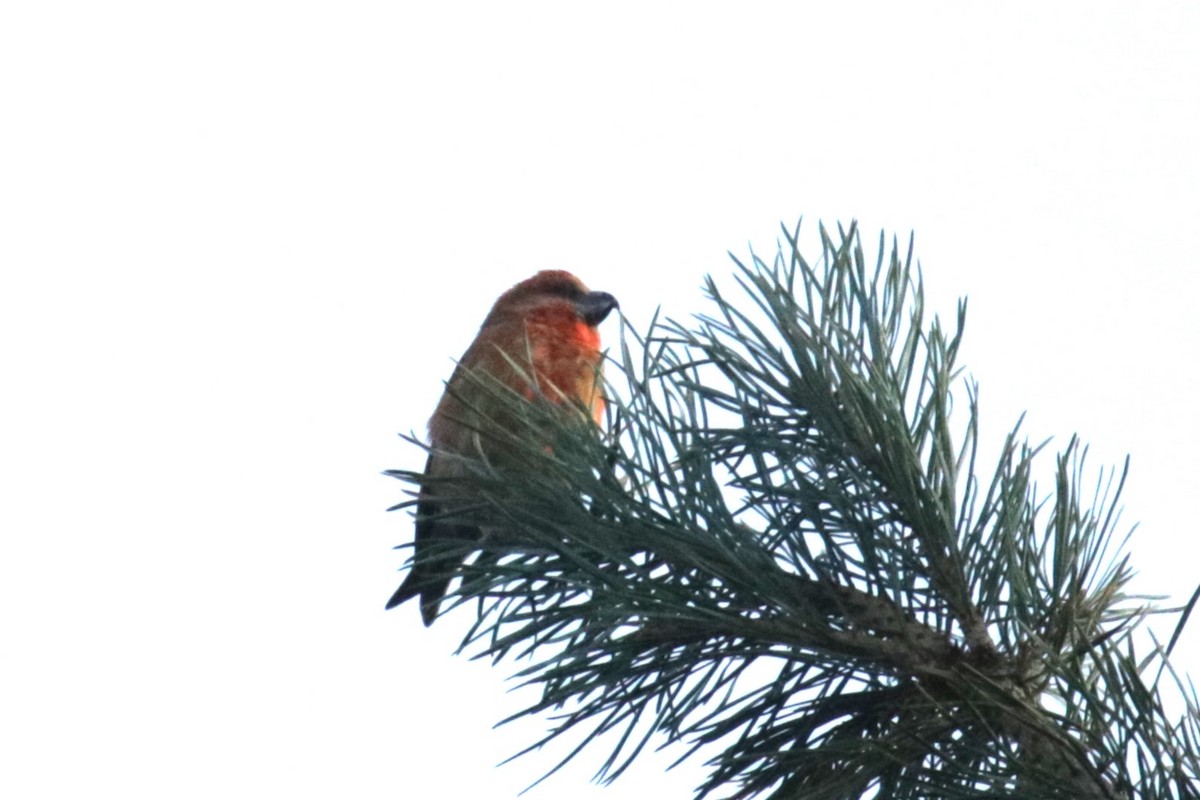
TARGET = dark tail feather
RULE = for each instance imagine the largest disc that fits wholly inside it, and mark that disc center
(430, 588)
(441, 549)
(441, 546)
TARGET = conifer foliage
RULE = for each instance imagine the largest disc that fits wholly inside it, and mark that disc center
(787, 555)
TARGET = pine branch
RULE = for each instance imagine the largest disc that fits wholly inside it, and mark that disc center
(785, 556)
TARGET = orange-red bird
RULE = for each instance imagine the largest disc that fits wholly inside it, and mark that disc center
(544, 327)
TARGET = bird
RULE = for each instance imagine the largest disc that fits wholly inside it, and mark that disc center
(540, 339)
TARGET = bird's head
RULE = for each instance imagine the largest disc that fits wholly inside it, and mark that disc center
(553, 289)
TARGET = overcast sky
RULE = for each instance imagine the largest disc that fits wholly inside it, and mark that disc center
(242, 242)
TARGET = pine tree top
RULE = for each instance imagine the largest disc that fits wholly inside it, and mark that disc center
(785, 554)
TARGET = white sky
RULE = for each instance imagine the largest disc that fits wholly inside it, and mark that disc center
(242, 241)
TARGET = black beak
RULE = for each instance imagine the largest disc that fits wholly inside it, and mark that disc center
(595, 306)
